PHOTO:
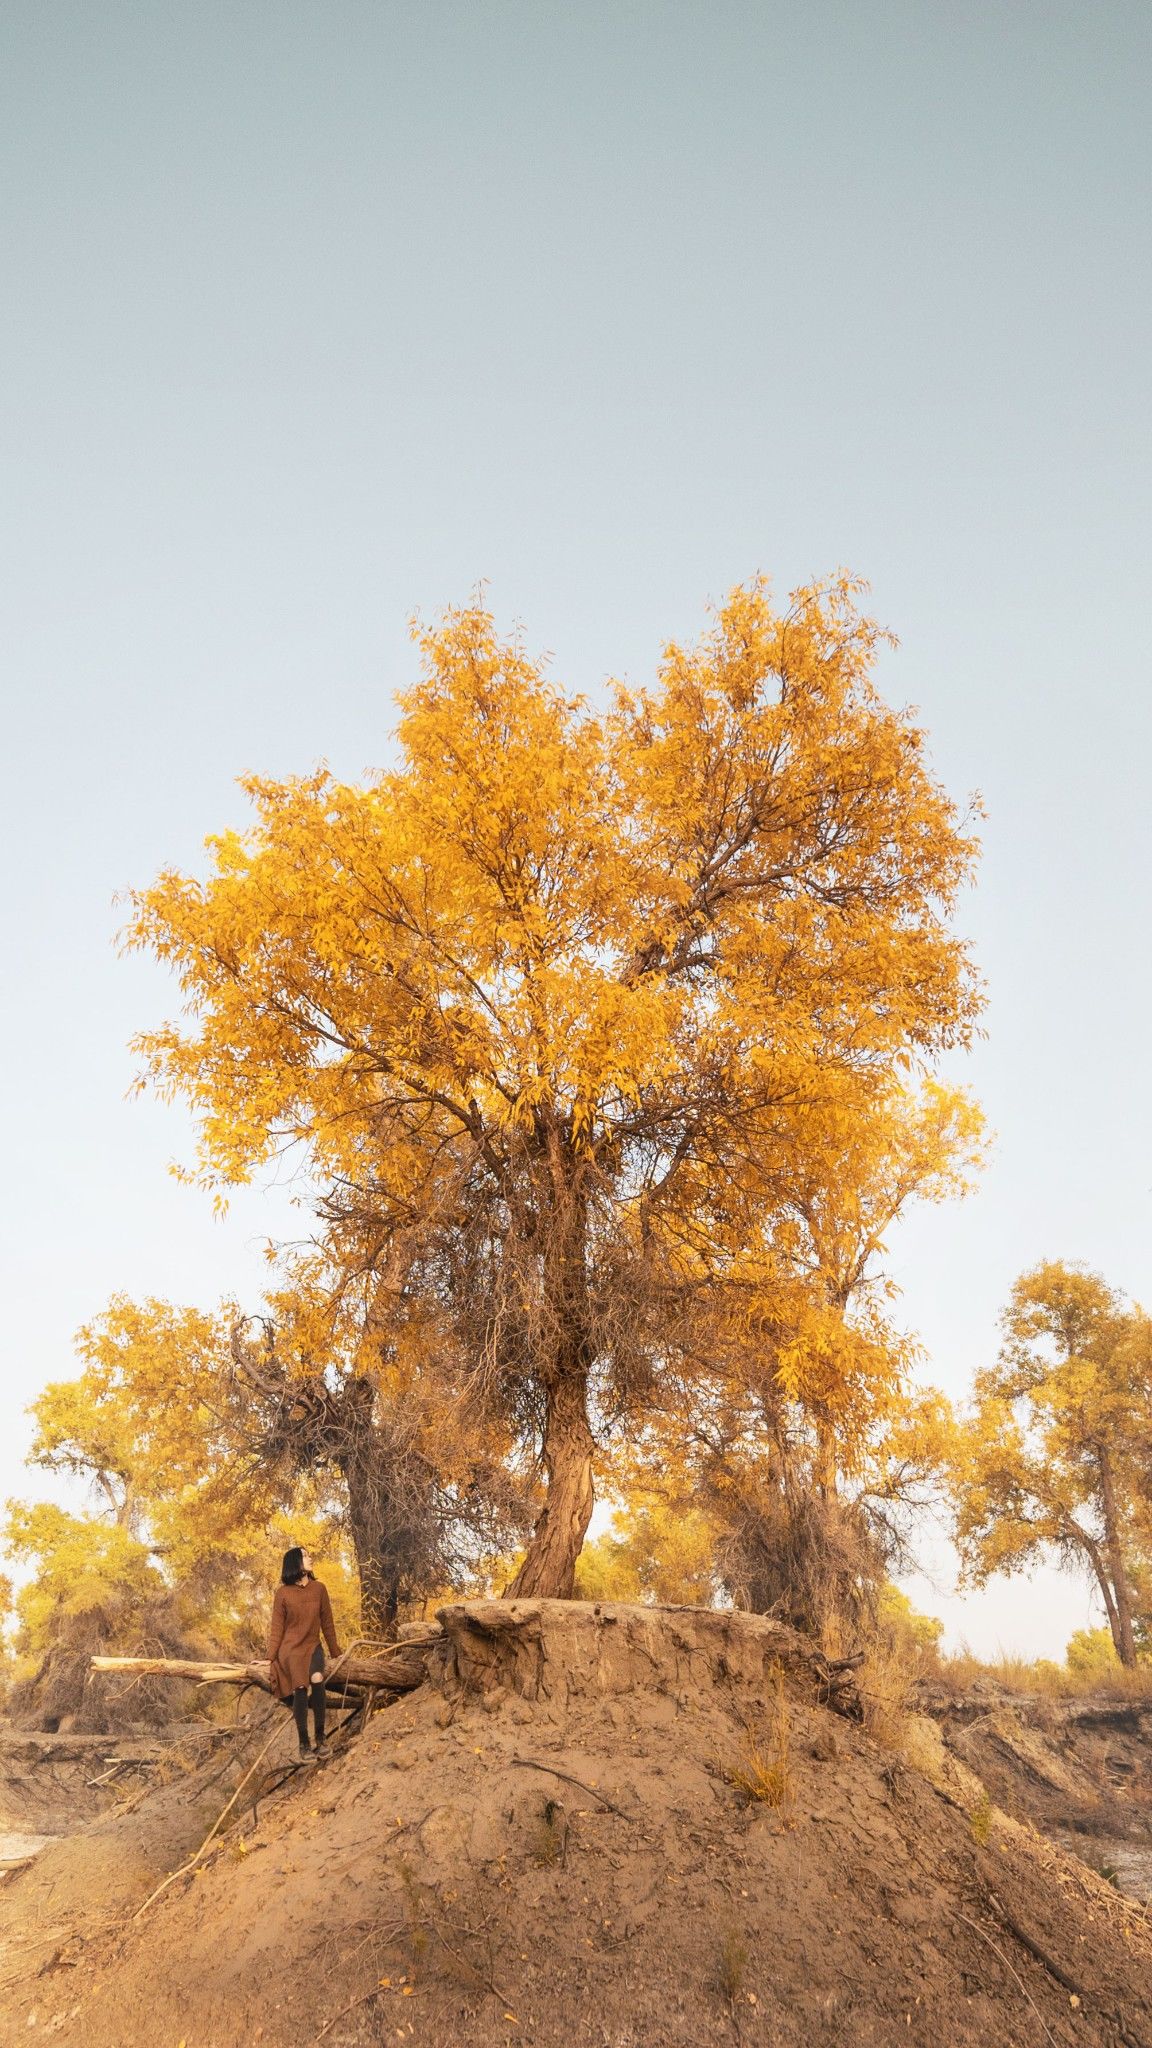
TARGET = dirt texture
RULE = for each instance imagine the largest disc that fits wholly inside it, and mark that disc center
(557, 1840)
(1081, 1770)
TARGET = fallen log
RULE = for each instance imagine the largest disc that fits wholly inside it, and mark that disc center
(400, 1668)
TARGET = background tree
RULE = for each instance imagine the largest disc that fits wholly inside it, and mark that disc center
(170, 1538)
(204, 1443)
(857, 1173)
(1057, 1454)
(787, 1542)
(661, 1547)
(1091, 1654)
(553, 1007)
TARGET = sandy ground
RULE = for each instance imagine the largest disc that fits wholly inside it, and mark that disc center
(548, 1843)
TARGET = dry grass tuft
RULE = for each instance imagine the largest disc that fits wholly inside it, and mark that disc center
(885, 1680)
(731, 1963)
(550, 1844)
(1045, 1678)
(418, 1901)
(980, 1821)
(761, 1768)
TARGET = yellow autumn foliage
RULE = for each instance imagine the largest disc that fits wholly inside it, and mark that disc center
(575, 1016)
(1056, 1454)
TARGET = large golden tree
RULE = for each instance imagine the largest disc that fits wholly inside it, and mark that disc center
(553, 1007)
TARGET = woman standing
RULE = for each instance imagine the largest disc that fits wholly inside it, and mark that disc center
(301, 1612)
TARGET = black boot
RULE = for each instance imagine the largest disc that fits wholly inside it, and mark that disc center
(300, 1716)
(319, 1704)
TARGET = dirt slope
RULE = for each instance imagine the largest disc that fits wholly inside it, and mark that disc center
(1079, 1769)
(544, 1845)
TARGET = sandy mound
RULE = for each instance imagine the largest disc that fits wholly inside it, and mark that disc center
(557, 1840)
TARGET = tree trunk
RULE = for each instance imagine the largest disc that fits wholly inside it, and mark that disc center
(824, 1462)
(370, 1479)
(549, 1568)
(1099, 1564)
(1119, 1618)
(372, 1540)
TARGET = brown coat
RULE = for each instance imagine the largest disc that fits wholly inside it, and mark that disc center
(299, 1613)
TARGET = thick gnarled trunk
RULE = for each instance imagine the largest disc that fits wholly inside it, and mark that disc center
(376, 1515)
(374, 1539)
(549, 1568)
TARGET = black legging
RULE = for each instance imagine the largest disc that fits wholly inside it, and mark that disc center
(318, 1698)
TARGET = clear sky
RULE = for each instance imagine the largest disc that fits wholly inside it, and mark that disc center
(315, 315)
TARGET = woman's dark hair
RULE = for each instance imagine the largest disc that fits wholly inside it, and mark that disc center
(292, 1569)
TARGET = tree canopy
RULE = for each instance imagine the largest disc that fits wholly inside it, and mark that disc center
(560, 1011)
(1057, 1455)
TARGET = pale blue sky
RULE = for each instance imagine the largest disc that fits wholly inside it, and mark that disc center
(314, 315)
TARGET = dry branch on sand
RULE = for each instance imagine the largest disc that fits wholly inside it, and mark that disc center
(398, 1668)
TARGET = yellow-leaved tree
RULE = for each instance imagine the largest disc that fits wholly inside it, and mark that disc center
(1056, 1456)
(170, 1540)
(554, 1008)
(207, 1442)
